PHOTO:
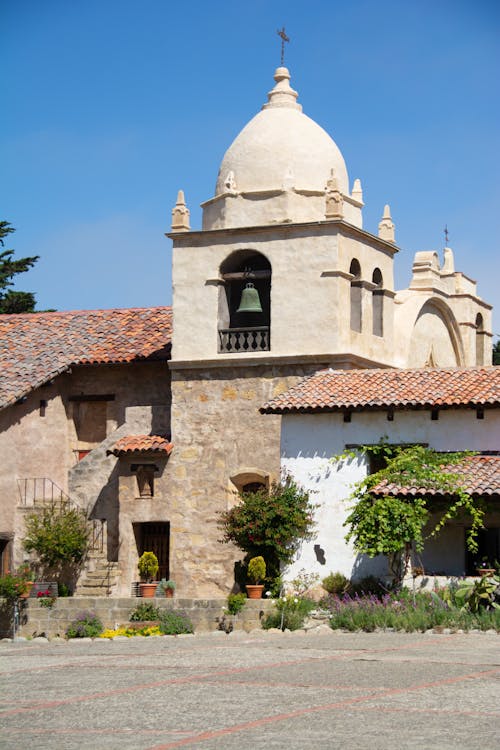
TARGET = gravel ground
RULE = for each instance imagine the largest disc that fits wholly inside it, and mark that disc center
(322, 689)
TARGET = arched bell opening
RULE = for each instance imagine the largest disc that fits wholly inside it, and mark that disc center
(378, 303)
(356, 320)
(244, 320)
(479, 339)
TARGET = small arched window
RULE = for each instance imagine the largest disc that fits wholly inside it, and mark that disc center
(378, 303)
(479, 339)
(246, 277)
(250, 480)
(356, 318)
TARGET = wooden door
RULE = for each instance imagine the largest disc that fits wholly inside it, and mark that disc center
(155, 537)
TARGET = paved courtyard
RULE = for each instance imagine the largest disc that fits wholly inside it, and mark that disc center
(252, 691)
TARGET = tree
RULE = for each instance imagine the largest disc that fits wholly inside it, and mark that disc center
(10, 301)
(496, 353)
(270, 523)
(59, 535)
(393, 525)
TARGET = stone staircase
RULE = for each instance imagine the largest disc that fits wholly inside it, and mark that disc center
(99, 578)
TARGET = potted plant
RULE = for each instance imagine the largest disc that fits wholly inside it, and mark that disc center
(16, 585)
(148, 568)
(27, 579)
(256, 572)
(168, 587)
(485, 568)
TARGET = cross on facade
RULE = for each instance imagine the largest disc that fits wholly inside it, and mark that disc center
(446, 235)
(281, 33)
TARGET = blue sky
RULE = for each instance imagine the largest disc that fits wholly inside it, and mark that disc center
(111, 106)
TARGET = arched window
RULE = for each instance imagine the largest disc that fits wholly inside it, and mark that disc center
(378, 303)
(244, 323)
(479, 339)
(250, 480)
(355, 271)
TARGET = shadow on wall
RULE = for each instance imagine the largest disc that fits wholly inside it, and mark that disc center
(106, 507)
(369, 566)
(160, 420)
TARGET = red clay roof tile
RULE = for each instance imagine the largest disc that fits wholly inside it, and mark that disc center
(141, 444)
(338, 390)
(36, 347)
(480, 475)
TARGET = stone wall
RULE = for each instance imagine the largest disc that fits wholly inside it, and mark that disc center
(218, 434)
(205, 614)
(38, 437)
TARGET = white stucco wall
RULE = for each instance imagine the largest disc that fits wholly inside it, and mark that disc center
(309, 441)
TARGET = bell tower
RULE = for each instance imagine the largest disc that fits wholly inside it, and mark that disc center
(282, 280)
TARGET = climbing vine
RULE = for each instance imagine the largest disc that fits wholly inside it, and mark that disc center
(394, 525)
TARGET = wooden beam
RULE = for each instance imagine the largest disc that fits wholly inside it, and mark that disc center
(243, 275)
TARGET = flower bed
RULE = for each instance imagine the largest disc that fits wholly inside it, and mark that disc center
(406, 611)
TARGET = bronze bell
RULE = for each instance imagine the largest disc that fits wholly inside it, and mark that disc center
(250, 300)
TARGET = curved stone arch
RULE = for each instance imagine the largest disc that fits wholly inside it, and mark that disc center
(244, 477)
(238, 258)
(249, 475)
(436, 348)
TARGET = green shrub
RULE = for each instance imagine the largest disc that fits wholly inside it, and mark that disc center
(85, 625)
(256, 570)
(148, 566)
(58, 534)
(476, 595)
(145, 613)
(335, 583)
(271, 523)
(235, 603)
(175, 622)
(289, 614)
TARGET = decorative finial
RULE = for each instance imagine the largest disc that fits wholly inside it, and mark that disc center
(386, 226)
(446, 235)
(334, 208)
(284, 39)
(357, 191)
(180, 214)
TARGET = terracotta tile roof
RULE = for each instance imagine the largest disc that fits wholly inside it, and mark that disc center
(337, 390)
(141, 444)
(480, 475)
(36, 347)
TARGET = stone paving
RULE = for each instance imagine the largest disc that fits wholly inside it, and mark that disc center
(321, 689)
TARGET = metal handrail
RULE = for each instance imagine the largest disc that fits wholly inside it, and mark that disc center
(45, 490)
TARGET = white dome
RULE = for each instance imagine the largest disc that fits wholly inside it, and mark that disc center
(281, 147)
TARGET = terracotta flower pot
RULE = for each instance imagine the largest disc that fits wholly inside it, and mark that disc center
(254, 591)
(29, 586)
(148, 589)
(485, 571)
(169, 593)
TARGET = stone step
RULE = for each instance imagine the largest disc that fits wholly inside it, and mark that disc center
(102, 565)
(100, 581)
(93, 591)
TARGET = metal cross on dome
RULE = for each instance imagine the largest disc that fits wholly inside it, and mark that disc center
(284, 39)
(446, 235)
